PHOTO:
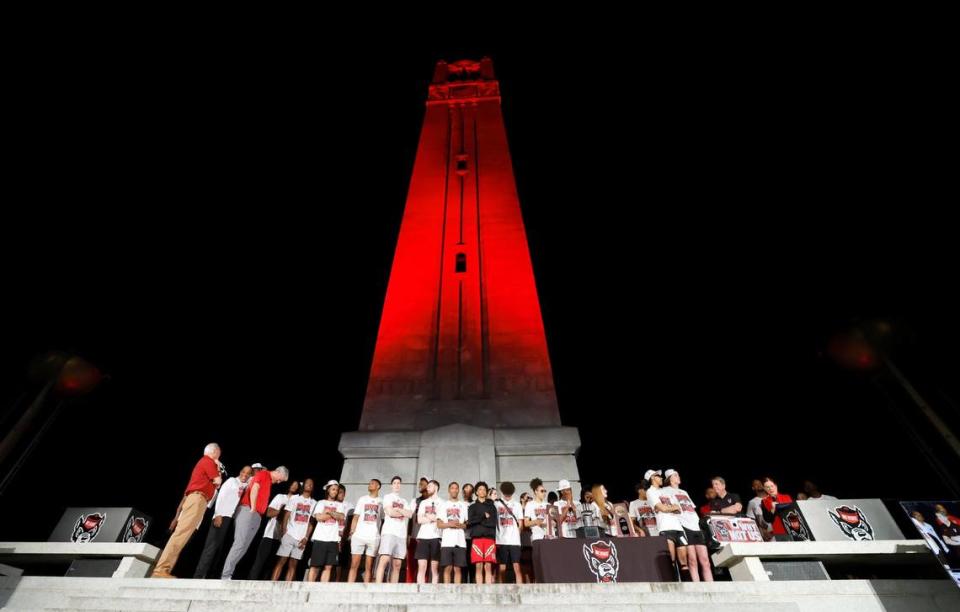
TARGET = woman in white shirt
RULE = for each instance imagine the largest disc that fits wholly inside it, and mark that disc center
(690, 520)
(603, 511)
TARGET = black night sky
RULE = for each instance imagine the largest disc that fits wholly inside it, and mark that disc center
(215, 231)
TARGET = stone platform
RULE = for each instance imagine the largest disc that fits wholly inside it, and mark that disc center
(133, 594)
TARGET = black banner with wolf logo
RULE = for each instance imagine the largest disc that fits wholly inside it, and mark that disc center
(606, 560)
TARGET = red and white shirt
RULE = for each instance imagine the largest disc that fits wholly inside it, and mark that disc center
(428, 530)
(508, 531)
(328, 530)
(536, 511)
(299, 509)
(453, 512)
(369, 513)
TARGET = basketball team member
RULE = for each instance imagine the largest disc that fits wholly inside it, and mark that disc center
(482, 519)
(295, 529)
(326, 537)
(428, 536)
(453, 544)
(508, 532)
(393, 537)
(690, 520)
(570, 511)
(365, 532)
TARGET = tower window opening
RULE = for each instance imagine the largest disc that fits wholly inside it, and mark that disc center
(461, 266)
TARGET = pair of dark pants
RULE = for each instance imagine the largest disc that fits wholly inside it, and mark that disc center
(212, 547)
(266, 551)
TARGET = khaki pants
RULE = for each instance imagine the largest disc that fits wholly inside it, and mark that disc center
(194, 505)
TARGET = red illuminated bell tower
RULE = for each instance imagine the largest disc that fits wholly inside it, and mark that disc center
(461, 386)
(461, 338)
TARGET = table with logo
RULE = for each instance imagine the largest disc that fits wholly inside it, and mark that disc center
(603, 560)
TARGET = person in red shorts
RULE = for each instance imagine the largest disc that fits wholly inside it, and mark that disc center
(482, 520)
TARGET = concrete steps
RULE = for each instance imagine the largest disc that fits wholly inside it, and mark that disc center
(43, 593)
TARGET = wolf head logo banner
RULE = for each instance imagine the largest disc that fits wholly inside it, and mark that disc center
(852, 522)
(87, 527)
(136, 529)
(798, 530)
(602, 560)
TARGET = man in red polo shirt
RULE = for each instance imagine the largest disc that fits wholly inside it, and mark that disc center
(203, 484)
(253, 505)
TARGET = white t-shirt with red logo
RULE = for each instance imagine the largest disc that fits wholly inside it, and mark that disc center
(508, 531)
(278, 502)
(369, 513)
(568, 524)
(609, 526)
(642, 511)
(396, 526)
(688, 515)
(327, 530)
(429, 531)
(666, 521)
(534, 511)
(300, 509)
(453, 512)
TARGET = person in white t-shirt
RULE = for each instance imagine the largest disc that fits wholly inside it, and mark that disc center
(535, 512)
(755, 508)
(668, 517)
(570, 511)
(326, 537)
(295, 530)
(644, 518)
(225, 505)
(344, 561)
(393, 535)
(508, 531)
(453, 543)
(428, 535)
(603, 511)
(696, 542)
(365, 531)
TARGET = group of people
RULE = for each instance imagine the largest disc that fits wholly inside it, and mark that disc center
(469, 533)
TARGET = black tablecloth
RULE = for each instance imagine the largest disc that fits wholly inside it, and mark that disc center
(602, 560)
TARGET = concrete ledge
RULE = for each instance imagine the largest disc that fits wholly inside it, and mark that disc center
(745, 560)
(733, 552)
(68, 551)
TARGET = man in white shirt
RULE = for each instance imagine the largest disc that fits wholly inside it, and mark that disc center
(668, 516)
(326, 537)
(225, 505)
(508, 532)
(453, 542)
(642, 514)
(570, 511)
(365, 532)
(428, 535)
(345, 558)
(295, 530)
(393, 536)
(755, 508)
(271, 539)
